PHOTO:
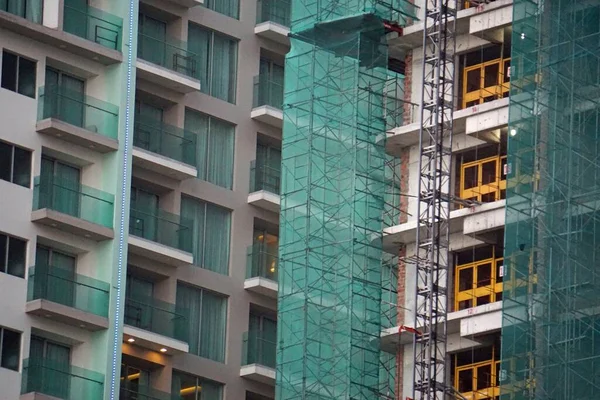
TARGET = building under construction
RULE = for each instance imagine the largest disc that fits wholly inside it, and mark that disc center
(438, 226)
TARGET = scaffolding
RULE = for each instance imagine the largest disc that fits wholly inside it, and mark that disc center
(334, 278)
(551, 313)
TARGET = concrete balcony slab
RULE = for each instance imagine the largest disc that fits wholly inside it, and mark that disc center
(88, 138)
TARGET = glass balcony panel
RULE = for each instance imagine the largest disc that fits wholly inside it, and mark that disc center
(95, 25)
(262, 262)
(156, 316)
(77, 109)
(164, 139)
(64, 287)
(263, 177)
(268, 91)
(170, 53)
(259, 348)
(74, 199)
(49, 377)
(277, 11)
(160, 226)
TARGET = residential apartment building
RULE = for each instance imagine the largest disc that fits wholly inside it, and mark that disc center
(139, 166)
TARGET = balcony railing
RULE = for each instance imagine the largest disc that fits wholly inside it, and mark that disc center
(484, 181)
(263, 177)
(145, 393)
(64, 287)
(278, 11)
(268, 91)
(160, 226)
(95, 25)
(77, 109)
(257, 349)
(72, 198)
(28, 9)
(486, 82)
(170, 53)
(261, 262)
(156, 316)
(478, 283)
(60, 380)
(164, 139)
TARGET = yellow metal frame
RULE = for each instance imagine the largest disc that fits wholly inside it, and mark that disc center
(490, 392)
(483, 93)
(480, 190)
(493, 289)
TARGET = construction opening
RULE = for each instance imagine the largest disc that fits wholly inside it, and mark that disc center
(439, 217)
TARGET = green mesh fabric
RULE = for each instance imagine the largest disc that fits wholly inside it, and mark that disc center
(551, 323)
(332, 202)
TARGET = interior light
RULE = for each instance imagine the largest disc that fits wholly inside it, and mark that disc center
(273, 266)
(513, 132)
(163, 350)
(131, 340)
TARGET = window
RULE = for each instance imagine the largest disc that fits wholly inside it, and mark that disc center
(261, 341)
(10, 348)
(138, 298)
(59, 186)
(18, 74)
(53, 360)
(207, 322)
(190, 387)
(217, 62)
(15, 164)
(55, 276)
(29, 9)
(231, 8)
(214, 149)
(134, 381)
(13, 253)
(143, 221)
(269, 87)
(211, 226)
(268, 169)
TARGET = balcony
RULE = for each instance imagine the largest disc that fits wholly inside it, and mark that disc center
(264, 187)
(258, 362)
(95, 25)
(261, 271)
(143, 392)
(47, 377)
(39, 20)
(155, 325)
(273, 20)
(73, 207)
(268, 101)
(486, 82)
(66, 297)
(164, 149)
(167, 63)
(78, 119)
(159, 235)
(187, 3)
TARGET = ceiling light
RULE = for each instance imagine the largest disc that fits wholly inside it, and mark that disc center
(131, 340)
(163, 350)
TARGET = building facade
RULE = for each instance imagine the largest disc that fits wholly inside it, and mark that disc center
(140, 189)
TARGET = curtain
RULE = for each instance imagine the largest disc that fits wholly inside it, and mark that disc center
(50, 361)
(65, 97)
(221, 153)
(59, 187)
(211, 390)
(148, 125)
(143, 221)
(189, 299)
(199, 43)
(218, 226)
(198, 123)
(213, 326)
(224, 68)
(152, 40)
(269, 342)
(231, 8)
(138, 311)
(195, 212)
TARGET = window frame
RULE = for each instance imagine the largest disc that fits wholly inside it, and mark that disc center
(13, 149)
(18, 73)
(2, 330)
(200, 381)
(4, 263)
(494, 289)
